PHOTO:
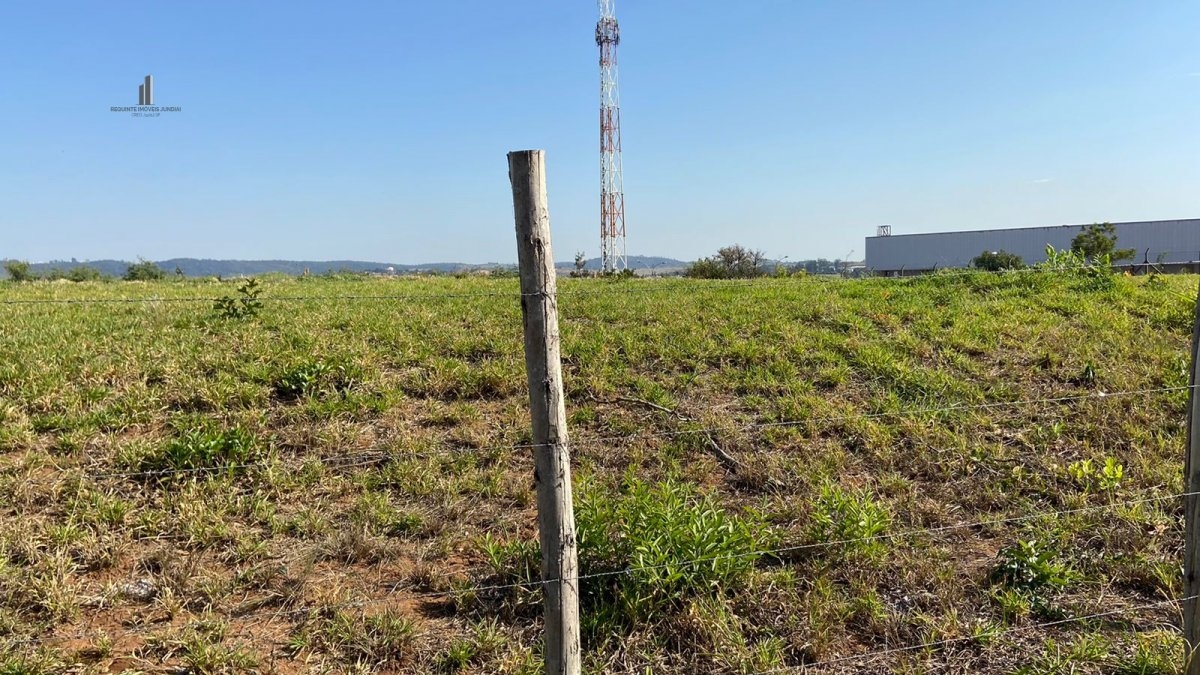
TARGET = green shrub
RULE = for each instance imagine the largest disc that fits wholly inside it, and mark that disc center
(517, 561)
(84, 273)
(705, 268)
(645, 551)
(18, 270)
(730, 262)
(375, 513)
(487, 638)
(314, 378)
(1155, 653)
(580, 265)
(144, 270)
(621, 275)
(1030, 569)
(1111, 475)
(41, 663)
(995, 261)
(204, 447)
(853, 518)
(1024, 574)
(1093, 478)
(1064, 261)
(246, 305)
(1099, 240)
(1095, 274)
(77, 274)
(663, 544)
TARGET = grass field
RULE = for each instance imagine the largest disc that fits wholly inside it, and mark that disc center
(337, 484)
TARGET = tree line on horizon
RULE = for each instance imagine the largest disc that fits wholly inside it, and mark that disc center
(142, 270)
(1097, 242)
(740, 262)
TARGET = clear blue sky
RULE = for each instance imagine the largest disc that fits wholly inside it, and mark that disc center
(378, 130)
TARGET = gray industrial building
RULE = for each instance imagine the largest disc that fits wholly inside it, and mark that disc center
(1173, 243)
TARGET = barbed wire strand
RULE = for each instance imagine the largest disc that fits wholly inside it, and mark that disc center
(918, 411)
(529, 585)
(341, 462)
(381, 454)
(397, 588)
(949, 641)
(934, 644)
(823, 544)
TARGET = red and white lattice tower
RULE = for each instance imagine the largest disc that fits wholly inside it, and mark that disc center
(612, 188)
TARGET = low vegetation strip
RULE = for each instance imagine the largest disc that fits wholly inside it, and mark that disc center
(961, 472)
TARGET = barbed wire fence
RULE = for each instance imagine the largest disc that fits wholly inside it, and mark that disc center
(384, 454)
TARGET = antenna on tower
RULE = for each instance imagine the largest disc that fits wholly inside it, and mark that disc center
(612, 188)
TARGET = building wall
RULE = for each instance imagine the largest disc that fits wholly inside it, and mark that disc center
(1177, 241)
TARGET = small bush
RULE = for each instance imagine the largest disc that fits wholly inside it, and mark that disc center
(144, 270)
(374, 512)
(314, 378)
(203, 448)
(580, 265)
(1155, 653)
(1095, 274)
(621, 275)
(77, 274)
(246, 305)
(40, 663)
(1030, 569)
(996, 261)
(1092, 478)
(18, 270)
(678, 544)
(1099, 240)
(517, 561)
(850, 517)
(705, 269)
(652, 548)
(84, 273)
(730, 262)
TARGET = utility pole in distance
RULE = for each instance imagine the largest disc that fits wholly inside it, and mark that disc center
(543, 368)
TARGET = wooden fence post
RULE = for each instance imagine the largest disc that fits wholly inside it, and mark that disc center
(1191, 518)
(552, 473)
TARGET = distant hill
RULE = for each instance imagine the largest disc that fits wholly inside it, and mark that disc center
(197, 267)
(636, 262)
(194, 267)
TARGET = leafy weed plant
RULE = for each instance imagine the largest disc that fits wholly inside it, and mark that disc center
(203, 447)
(851, 519)
(664, 543)
(316, 377)
(1027, 572)
(245, 306)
